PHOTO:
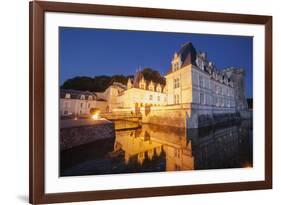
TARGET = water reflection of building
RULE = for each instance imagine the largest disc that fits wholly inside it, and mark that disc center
(151, 141)
(213, 148)
(154, 148)
(223, 147)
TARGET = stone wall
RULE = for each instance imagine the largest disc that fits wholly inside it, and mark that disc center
(172, 117)
(78, 132)
(187, 115)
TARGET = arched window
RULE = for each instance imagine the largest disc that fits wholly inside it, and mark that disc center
(82, 97)
(90, 97)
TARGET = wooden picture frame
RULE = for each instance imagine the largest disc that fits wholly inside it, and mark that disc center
(37, 11)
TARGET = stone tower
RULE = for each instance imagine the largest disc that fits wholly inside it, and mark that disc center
(237, 76)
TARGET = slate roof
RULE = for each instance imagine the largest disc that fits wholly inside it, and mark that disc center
(187, 55)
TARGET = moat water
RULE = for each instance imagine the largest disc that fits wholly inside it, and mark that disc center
(154, 148)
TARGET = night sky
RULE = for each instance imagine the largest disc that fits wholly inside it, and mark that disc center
(90, 52)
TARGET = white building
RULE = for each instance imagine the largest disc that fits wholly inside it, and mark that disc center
(75, 103)
(194, 89)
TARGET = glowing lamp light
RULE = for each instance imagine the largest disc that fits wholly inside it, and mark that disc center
(95, 116)
(247, 165)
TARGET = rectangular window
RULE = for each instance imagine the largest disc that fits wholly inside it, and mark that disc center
(176, 83)
(158, 98)
(201, 98)
(175, 99)
(81, 105)
(151, 97)
(201, 81)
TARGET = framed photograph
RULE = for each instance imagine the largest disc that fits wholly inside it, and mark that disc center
(140, 102)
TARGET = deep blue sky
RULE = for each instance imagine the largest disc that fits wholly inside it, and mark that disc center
(90, 52)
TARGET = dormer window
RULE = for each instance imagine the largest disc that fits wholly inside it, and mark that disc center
(82, 97)
(129, 84)
(158, 88)
(151, 86)
(90, 97)
(176, 66)
(165, 90)
(142, 84)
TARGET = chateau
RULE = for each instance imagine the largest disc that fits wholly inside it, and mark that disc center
(195, 94)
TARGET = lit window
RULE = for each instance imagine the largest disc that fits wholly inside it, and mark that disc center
(151, 97)
(158, 88)
(82, 97)
(158, 98)
(67, 95)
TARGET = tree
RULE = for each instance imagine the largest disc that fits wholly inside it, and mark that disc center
(102, 82)
(150, 74)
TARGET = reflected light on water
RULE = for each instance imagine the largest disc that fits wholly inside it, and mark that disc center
(154, 148)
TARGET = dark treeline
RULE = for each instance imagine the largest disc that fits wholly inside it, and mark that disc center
(101, 82)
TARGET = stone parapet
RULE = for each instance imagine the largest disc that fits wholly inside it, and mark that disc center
(74, 133)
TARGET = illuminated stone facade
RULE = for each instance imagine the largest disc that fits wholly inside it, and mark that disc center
(195, 90)
(78, 103)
